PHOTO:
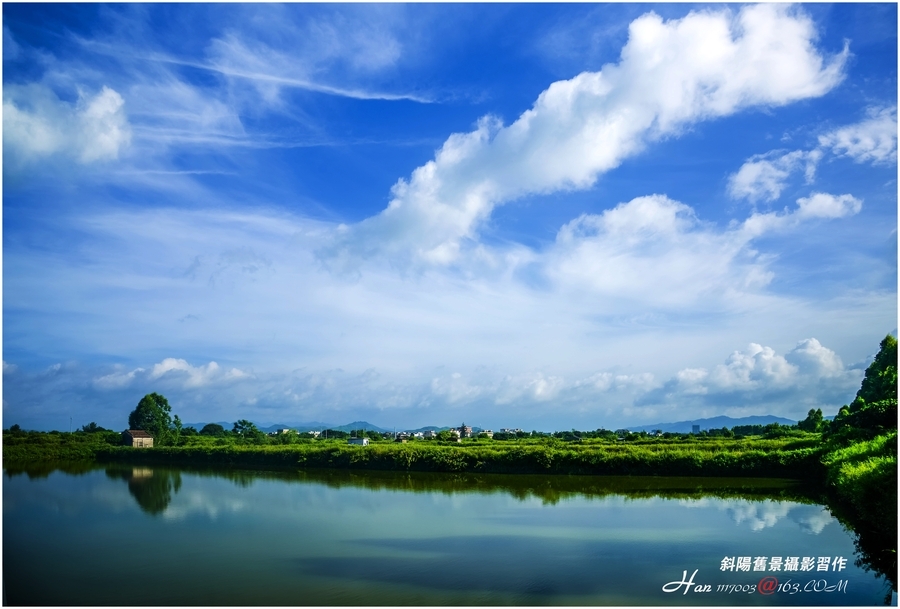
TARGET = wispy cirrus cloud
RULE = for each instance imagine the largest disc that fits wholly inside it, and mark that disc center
(147, 100)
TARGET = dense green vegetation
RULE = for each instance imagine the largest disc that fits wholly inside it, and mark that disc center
(791, 457)
(795, 455)
(860, 458)
(34, 446)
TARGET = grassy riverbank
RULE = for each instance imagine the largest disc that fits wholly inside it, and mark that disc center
(797, 457)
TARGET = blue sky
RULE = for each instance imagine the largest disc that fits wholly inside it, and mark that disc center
(536, 216)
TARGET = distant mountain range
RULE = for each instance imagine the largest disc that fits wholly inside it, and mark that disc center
(713, 423)
(302, 427)
(677, 427)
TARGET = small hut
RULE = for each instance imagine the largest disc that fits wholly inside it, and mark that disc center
(138, 438)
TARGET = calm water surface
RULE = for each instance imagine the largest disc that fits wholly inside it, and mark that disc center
(150, 536)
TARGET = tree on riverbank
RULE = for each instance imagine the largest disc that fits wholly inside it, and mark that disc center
(153, 415)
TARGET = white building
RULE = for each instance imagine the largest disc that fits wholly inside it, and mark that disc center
(359, 441)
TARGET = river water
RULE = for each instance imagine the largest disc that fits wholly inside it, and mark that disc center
(150, 536)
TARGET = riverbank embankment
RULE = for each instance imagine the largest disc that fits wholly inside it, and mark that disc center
(798, 459)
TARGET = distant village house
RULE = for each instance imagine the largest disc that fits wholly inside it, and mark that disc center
(359, 441)
(138, 438)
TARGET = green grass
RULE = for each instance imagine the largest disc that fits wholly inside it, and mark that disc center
(861, 474)
(785, 458)
(33, 446)
(782, 457)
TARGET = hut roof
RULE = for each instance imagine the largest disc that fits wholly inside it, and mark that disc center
(137, 433)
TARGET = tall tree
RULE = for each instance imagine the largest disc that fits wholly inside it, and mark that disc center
(212, 429)
(153, 415)
(249, 432)
(814, 420)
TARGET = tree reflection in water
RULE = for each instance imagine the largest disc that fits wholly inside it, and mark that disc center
(154, 489)
(151, 488)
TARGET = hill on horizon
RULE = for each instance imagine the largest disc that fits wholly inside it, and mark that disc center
(676, 427)
(714, 423)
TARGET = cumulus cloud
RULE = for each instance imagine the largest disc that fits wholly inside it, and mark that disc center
(38, 124)
(654, 249)
(811, 372)
(179, 371)
(811, 358)
(672, 74)
(872, 140)
(812, 519)
(819, 205)
(763, 177)
(758, 515)
(827, 206)
(650, 243)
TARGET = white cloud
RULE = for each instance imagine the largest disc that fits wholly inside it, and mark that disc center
(655, 251)
(537, 387)
(763, 177)
(871, 140)
(812, 359)
(335, 54)
(116, 380)
(812, 519)
(651, 249)
(455, 388)
(827, 206)
(171, 111)
(808, 375)
(749, 369)
(671, 75)
(179, 371)
(758, 515)
(818, 205)
(38, 124)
